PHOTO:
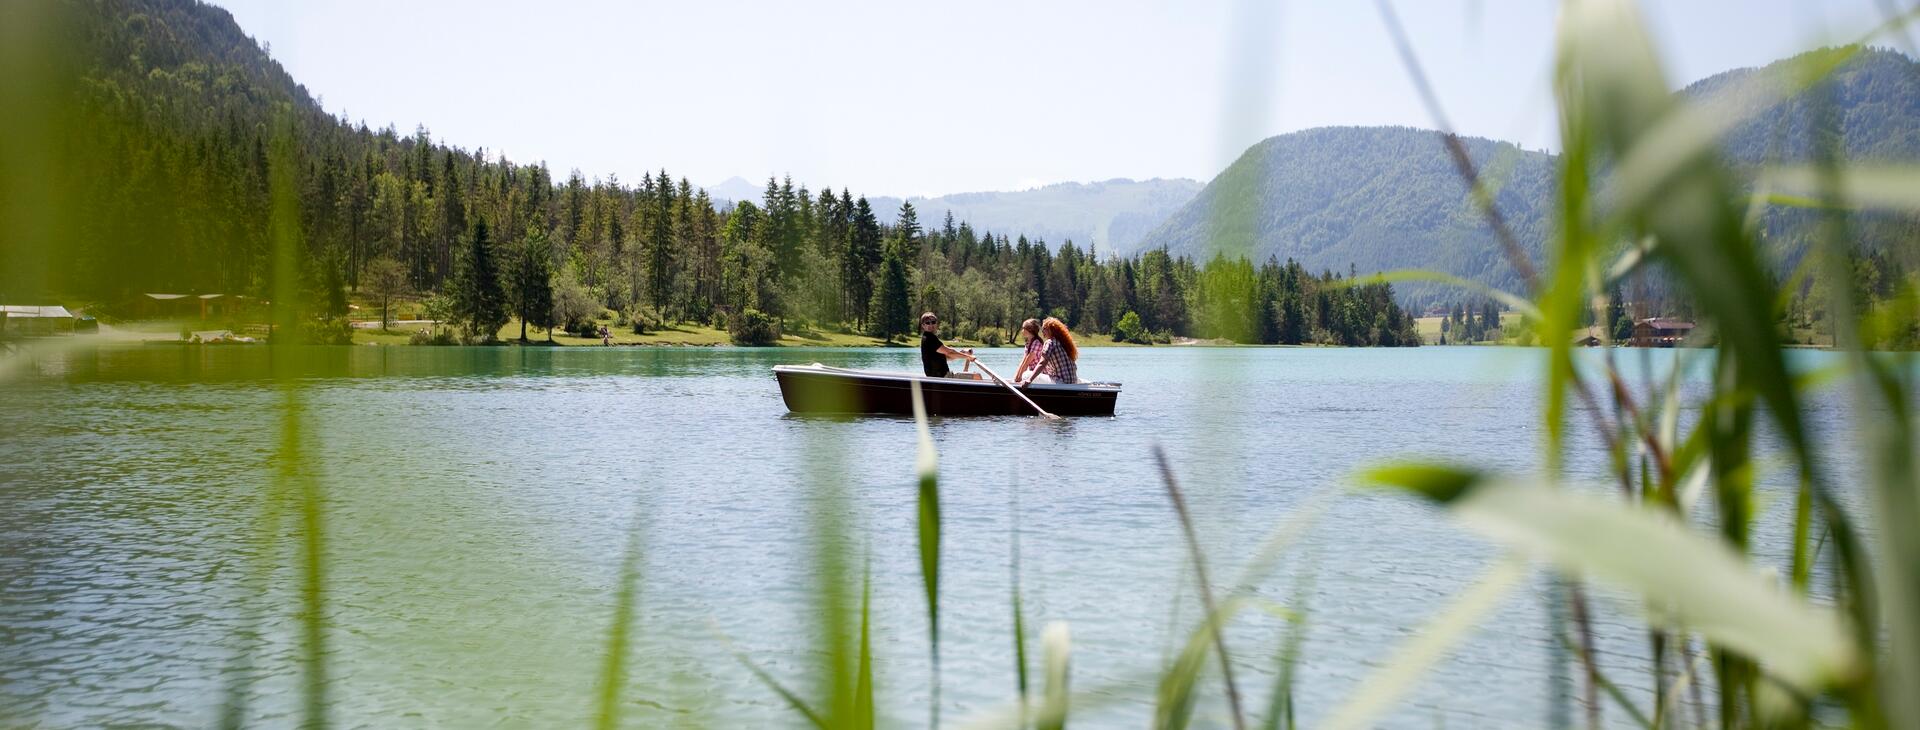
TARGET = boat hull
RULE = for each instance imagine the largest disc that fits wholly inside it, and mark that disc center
(818, 389)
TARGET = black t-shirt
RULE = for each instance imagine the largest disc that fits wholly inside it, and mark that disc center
(931, 358)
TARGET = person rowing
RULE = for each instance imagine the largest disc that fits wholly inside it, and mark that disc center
(1058, 357)
(934, 354)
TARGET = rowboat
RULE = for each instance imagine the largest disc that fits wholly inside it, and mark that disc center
(820, 388)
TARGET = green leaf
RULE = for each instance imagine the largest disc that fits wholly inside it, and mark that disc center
(1510, 300)
(1440, 483)
(1692, 130)
(1862, 186)
(1687, 579)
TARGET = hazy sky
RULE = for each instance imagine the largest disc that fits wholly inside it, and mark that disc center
(893, 98)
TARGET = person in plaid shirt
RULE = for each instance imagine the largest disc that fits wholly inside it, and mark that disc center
(1031, 359)
(1059, 357)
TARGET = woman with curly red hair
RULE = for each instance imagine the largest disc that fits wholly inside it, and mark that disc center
(1059, 356)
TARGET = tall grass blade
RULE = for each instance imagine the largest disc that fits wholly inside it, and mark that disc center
(1686, 579)
(1204, 585)
(1381, 690)
(793, 699)
(1020, 683)
(1176, 694)
(1506, 299)
(928, 466)
(613, 671)
(1885, 425)
(295, 472)
(1463, 163)
(1056, 645)
(1280, 706)
(863, 711)
(1858, 186)
(1682, 138)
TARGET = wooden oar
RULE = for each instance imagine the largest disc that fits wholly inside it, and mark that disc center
(1016, 391)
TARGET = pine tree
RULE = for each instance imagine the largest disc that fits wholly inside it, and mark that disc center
(479, 301)
(658, 264)
(907, 228)
(861, 259)
(533, 281)
(887, 313)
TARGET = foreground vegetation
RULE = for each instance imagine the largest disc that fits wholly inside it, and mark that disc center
(1732, 642)
(1831, 636)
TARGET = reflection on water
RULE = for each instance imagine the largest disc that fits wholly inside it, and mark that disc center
(478, 501)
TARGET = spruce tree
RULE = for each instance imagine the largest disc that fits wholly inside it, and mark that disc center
(887, 313)
(479, 300)
(533, 281)
(861, 259)
(659, 255)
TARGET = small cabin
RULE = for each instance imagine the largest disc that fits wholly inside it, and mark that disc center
(1660, 332)
(1588, 337)
(30, 320)
(155, 305)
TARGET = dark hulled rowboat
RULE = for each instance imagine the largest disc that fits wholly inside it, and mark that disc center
(818, 388)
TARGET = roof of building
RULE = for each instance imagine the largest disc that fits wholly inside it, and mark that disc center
(1663, 323)
(24, 311)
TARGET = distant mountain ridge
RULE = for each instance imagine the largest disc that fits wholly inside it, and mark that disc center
(1371, 198)
(1112, 215)
(734, 189)
(1385, 198)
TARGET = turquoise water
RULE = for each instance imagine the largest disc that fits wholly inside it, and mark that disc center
(478, 500)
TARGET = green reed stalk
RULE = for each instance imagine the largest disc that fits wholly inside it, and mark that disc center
(613, 672)
(1204, 584)
(1280, 706)
(295, 473)
(929, 524)
(1019, 615)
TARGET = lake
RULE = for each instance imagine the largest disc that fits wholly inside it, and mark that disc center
(477, 502)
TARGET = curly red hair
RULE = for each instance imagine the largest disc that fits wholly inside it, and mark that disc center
(1057, 330)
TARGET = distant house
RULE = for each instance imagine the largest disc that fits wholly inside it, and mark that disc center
(1660, 332)
(1587, 337)
(187, 306)
(29, 320)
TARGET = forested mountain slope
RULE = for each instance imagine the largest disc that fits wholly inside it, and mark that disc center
(1384, 198)
(1375, 198)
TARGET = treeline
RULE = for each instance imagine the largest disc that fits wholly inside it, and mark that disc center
(1476, 321)
(179, 140)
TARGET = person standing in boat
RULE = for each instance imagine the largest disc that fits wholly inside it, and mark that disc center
(1030, 360)
(1059, 357)
(934, 354)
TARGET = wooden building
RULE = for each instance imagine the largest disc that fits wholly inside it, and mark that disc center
(1660, 332)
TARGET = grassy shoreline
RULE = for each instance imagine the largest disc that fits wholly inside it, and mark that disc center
(688, 334)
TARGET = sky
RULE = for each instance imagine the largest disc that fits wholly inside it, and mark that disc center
(914, 98)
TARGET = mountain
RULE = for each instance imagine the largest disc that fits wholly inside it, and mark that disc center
(1876, 95)
(735, 189)
(1113, 214)
(1375, 198)
(1384, 198)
